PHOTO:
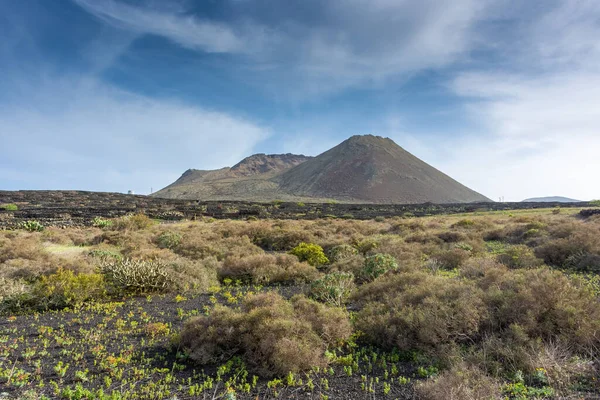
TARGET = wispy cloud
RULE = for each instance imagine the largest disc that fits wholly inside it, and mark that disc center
(96, 137)
(185, 30)
(538, 123)
(321, 47)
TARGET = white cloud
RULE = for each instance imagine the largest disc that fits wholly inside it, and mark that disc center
(540, 127)
(338, 44)
(183, 29)
(100, 138)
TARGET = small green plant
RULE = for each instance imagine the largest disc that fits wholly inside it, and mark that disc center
(311, 253)
(377, 265)
(9, 207)
(168, 240)
(342, 252)
(104, 254)
(334, 288)
(520, 391)
(427, 372)
(32, 226)
(100, 222)
(464, 223)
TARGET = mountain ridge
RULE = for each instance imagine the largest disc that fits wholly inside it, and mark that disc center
(551, 199)
(361, 169)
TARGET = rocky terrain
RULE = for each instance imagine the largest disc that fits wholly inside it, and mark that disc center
(362, 169)
(79, 208)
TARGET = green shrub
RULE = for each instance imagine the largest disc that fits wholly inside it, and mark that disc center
(54, 292)
(10, 207)
(519, 256)
(168, 240)
(342, 252)
(136, 276)
(595, 203)
(311, 253)
(100, 222)
(334, 288)
(32, 226)
(65, 288)
(274, 336)
(377, 265)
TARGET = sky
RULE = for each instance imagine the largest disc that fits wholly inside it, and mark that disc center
(118, 95)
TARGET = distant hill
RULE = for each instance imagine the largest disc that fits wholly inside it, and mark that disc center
(551, 199)
(362, 169)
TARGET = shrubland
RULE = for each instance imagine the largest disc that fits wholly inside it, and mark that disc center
(466, 307)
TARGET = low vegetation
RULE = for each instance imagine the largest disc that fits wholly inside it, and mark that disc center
(498, 305)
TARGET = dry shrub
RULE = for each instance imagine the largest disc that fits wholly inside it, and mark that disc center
(353, 265)
(23, 256)
(267, 268)
(557, 252)
(461, 382)
(130, 239)
(543, 304)
(189, 275)
(198, 245)
(132, 222)
(330, 323)
(475, 268)
(451, 259)
(563, 368)
(149, 253)
(274, 336)
(452, 237)
(419, 311)
(424, 238)
(282, 240)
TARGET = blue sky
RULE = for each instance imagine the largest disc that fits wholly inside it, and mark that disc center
(115, 95)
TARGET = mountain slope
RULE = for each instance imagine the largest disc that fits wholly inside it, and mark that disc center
(250, 179)
(374, 169)
(362, 169)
